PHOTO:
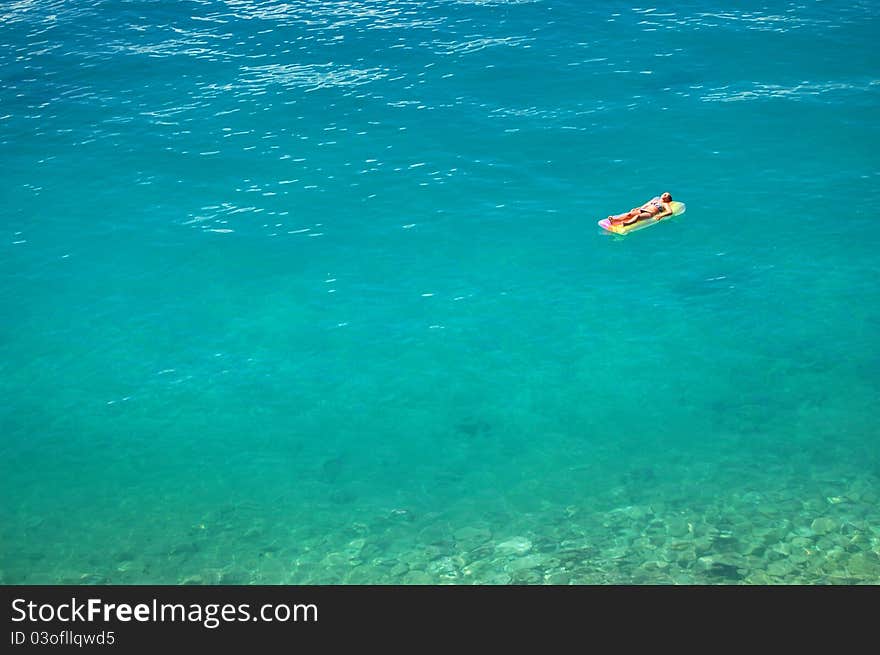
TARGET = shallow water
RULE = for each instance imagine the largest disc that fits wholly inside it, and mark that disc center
(313, 293)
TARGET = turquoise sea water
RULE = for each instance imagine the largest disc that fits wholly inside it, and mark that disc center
(313, 292)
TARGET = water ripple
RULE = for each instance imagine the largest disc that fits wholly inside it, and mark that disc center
(803, 90)
(371, 14)
(476, 43)
(310, 76)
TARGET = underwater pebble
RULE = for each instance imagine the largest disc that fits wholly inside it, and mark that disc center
(768, 510)
(514, 546)
(801, 542)
(823, 525)
(435, 535)
(575, 545)
(417, 577)
(193, 580)
(186, 548)
(233, 578)
(558, 578)
(473, 536)
(679, 545)
(753, 548)
(616, 552)
(678, 528)
(125, 566)
(703, 546)
(654, 565)
(253, 533)
(444, 568)
(333, 560)
(499, 579)
(716, 562)
(864, 565)
(527, 562)
(399, 569)
(361, 575)
(684, 557)
(530, 576)
(798, 557)
(758, 578)
(634, 512)
(834, 555)
(780, 568)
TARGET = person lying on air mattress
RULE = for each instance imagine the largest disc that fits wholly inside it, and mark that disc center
(657, 207)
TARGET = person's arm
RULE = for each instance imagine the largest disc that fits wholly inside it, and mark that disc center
(667, 211)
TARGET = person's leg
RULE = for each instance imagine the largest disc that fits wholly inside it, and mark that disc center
(622, 218)
(638, 217)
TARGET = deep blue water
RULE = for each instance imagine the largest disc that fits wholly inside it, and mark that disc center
(314, 292)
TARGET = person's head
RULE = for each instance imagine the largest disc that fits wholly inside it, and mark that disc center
(666, 197)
